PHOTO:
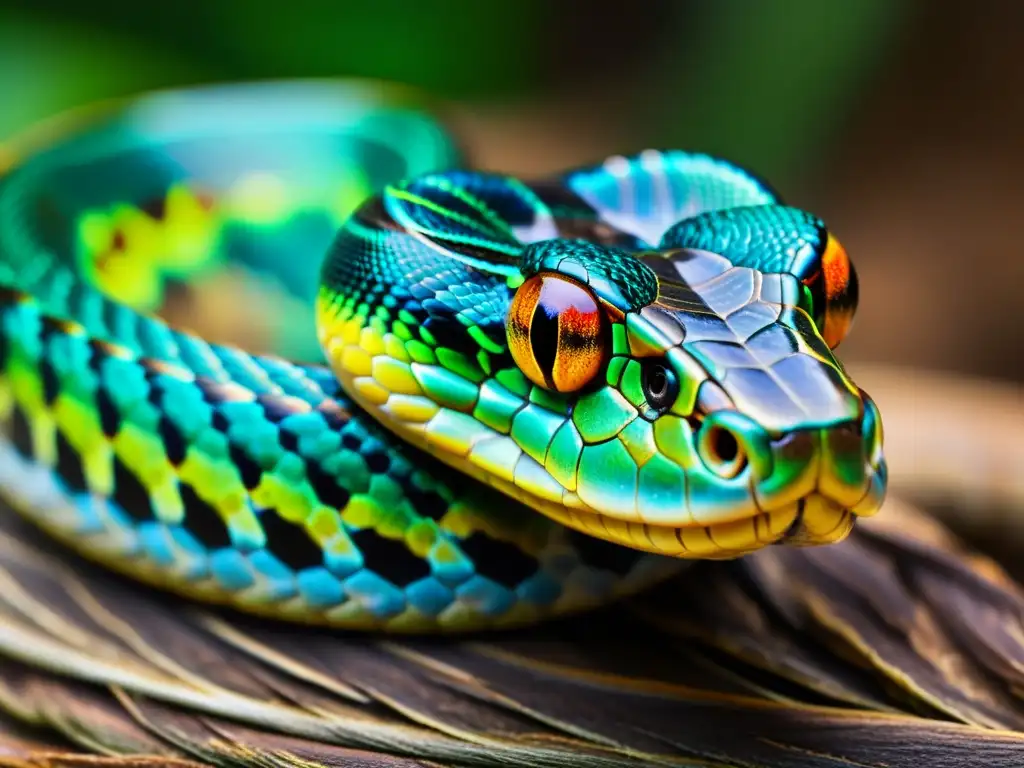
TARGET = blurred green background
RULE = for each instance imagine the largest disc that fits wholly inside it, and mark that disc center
(676, 72)
(897, 120)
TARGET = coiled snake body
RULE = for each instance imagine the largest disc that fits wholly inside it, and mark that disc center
(537, 396)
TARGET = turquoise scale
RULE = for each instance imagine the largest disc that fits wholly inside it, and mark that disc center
(259, 480)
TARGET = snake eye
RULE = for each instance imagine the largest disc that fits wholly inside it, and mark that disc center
(557, 333)
(660, 384)
(833, 290)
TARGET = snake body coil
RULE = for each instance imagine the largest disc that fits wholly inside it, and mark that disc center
(531, 385)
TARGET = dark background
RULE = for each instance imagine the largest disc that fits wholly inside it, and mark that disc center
(900, 122)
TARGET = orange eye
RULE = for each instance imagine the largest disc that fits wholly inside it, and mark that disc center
(557, 333)
(834, 289)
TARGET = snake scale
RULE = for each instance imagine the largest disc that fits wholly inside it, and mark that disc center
(477, 401)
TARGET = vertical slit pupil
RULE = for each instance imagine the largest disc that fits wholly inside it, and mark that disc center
(544, 337)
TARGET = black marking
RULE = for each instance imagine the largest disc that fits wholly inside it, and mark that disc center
(378, 462)
(351, 441)
(288, 440)
(21, 433)
(219, 421)
(326, 487)
(449, 332)
(290, 543)
(248, 469)
(390, 558)
(500, 561)
(110, 419)
(155, 207)
(428, 503)
(10, 296)
(605, 555)
(51, 383)
(52, 327)
(203, 521)
(415, 308)
(174, 442)
(69, 466)
(130, 494)
(155, 393)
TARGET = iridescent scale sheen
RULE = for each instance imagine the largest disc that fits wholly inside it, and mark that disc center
(487, 338)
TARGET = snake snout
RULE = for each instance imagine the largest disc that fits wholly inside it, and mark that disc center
(833, 472)
(846, 459)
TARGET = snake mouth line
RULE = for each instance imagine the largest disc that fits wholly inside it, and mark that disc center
(796, 527)
(812, 521)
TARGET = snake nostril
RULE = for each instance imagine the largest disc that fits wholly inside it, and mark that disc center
(721, 452)
(724, 444)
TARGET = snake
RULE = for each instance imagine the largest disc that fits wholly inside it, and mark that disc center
(280, 348)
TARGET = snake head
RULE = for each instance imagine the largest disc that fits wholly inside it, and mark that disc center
(682, 398)
(709, 414)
